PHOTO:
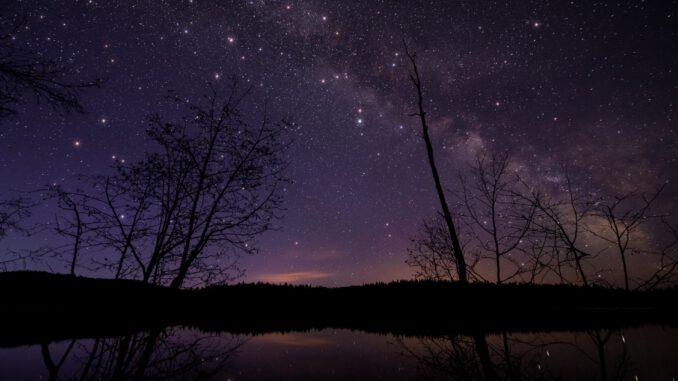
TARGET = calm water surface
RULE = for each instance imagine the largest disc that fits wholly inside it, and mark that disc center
(645, 353)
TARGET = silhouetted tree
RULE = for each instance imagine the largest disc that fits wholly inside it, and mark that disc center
(562, 220)
(215, 184)
(498, 218)
(665, 273)
(70, 223)
(543, 232)
(24, 73)
(12, 212)
(210, 186)
(73, 227)
(431, 253)
(460, 262)
(89, 219)
(542, 256)
(625, 215)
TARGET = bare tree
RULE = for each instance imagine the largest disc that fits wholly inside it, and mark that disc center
(562, 221)
(73, 228)
(24, 73)
(625, 215)
(498, 218)
(70, 224)
(431, 253)
(460, 262)
(12, 212)
(496, 221)
(541, 234)
(542, 255)
(665, 273)
(212, 184)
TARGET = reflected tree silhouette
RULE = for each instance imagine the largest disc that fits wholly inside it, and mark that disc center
(166, 354)
(511, 357)
(53, 367)
(602, 339)
(443, 358)
(181, 354)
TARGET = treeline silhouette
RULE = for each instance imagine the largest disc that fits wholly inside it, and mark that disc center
(42, 307)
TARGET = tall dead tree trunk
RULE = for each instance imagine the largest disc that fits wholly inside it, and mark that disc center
(458, 254)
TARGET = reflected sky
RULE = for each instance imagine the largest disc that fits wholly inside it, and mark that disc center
(647, 353)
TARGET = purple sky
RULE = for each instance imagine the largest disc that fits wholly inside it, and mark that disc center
(590, 84)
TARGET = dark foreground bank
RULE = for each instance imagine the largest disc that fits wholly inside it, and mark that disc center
(39, 307)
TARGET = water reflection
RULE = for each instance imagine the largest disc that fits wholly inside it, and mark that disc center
(644, 353)
(591, 355)
(170, 353)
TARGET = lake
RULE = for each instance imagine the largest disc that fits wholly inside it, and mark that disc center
(634, 353)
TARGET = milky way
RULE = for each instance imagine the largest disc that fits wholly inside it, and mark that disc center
(593, 85)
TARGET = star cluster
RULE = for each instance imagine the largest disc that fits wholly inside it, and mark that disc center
(589, 84)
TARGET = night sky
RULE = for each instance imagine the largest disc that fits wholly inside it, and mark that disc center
(593, 85)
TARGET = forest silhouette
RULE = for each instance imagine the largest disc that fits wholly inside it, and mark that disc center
(45, 307)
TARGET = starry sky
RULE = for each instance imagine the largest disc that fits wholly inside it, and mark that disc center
(587, 83)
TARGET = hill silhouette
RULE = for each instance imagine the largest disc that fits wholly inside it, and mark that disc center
(42, 307)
